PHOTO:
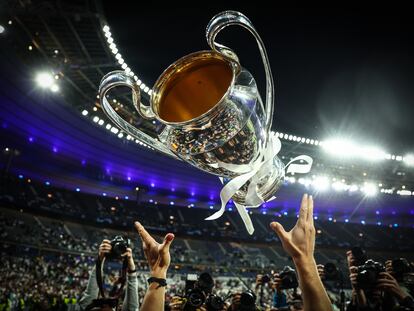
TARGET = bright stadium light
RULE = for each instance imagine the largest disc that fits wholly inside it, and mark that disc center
(321, 183)
(346, 149)
(84, 112)
(370, 189)
(340, 147)
(54, 88)
(45, 80)
(409, 159)
(1, 29)
(339, 186)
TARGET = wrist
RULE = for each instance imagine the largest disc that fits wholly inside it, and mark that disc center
(159, 274)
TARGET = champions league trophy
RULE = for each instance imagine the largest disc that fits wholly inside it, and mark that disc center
(214, 119)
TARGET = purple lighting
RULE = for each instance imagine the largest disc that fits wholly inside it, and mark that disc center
(21, 176)
(47, 183)
(126, 197)
(172, 189)
(377, 212)
(55, 149)
(346, 220)
(77, 189)
(31, 139)
(363, 222)
(172, 203)
(129, 178)
(192, 193)
(152, 185)
(104, 194)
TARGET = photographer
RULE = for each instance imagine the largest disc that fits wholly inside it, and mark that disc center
(300, 244)
(159, 259)
(387, 282)
(90, 295)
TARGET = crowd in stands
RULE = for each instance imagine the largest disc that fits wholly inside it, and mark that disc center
(50, 245)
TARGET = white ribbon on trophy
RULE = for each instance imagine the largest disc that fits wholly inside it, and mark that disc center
(253, 173)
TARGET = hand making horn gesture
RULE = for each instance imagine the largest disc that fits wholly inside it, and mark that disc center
(158, 255)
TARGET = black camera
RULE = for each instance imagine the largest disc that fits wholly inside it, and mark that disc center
(119, 246)
(331, 272)
(400, 267)
(247, 301)
(199, 292)
(368, 273)
(360, 256)
(265, 278)
(214, 303)
(289, 279)
(195, 298)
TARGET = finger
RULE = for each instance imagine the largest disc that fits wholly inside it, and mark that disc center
(145, 236)
(353, 269)
(280, 231)
(386, 275)
(165, 246)
(310, 210)
(106, 241)
(303, 209)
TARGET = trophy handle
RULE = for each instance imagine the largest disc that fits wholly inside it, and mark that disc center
(120, 78)
(228, 18)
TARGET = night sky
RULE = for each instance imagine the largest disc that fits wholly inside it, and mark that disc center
(346, 73)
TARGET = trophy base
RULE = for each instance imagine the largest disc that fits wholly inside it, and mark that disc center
(267, 185)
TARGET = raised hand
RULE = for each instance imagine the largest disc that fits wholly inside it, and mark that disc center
(157, 254)
(104, 249)
(388, 283)
(128, 255)
(300, 241)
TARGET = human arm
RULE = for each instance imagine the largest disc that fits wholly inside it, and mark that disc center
(92, 291)
(299, 243)
(131, 294)
(158, 257)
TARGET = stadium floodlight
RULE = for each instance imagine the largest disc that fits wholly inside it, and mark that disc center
(54, 88)
(404, 192)
(95, 119)
(101, 122)
(370, 189)
(353, 188)
(45, 80)
(372, 154)
(2, 29)
(409, 159)
(85, 112)
(346, 149)
(340, 147)
(105, 28)
(321, 183)
(339, 186)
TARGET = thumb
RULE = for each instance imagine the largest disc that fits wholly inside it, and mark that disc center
(165, 246)
(280, 231)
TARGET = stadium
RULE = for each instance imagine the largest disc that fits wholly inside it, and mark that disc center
(106, 204)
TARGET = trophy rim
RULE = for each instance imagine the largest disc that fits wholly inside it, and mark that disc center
(167, 73)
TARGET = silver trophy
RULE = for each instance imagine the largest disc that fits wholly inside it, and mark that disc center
(212, 114)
